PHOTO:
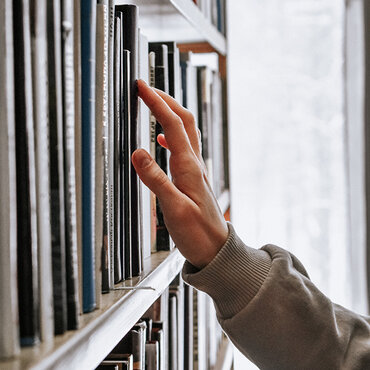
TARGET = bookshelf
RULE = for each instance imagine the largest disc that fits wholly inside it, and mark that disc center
(101, 329)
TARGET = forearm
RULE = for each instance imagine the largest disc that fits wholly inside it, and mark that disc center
(275, 315)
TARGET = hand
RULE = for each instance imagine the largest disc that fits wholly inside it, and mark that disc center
(191, 213)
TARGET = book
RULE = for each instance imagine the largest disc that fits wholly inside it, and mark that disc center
(9, 335)
(78, 141)
(161, 155)
(102, 86)
(153, 146)
(130, 43)
(144, 142)
(173, 332)
(158, 335)
(123, 361)
(88, 33)
(70, 200)
(111, 235)
(152, 355)
(27, 247)
(177, 291)
(108, 365)
(101, 151)
(188, 327)
(125, 171)
(204, 117)
(38, 22)
(56, 153)
(118, 273)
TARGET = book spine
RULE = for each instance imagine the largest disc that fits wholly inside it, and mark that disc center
(131, 43)
(39, 69)
(111, 140)
(153, 141)
(78, 143)
(9, 335)
(126, 184)
(144, 125)
(27, 263)
(69, 166)
(88, 32)
(56, 167)
(117, 151)
(101, 165)
(100, 124)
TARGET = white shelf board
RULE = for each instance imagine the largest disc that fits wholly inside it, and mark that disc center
(177, 20)
(102, 329)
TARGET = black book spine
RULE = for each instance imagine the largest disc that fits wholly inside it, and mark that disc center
(69, 165)
(28, 291)
(117, 152)
(56, 167)
(130, 38)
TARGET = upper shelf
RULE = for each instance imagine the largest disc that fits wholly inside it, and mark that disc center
(177, 20)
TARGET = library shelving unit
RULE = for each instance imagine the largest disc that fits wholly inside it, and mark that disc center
(102, 329)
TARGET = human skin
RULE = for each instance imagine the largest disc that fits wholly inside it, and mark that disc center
(191, 213)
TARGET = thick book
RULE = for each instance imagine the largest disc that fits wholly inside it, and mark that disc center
(39, 51)
(124, 361)
(27, 247)
(69, 146)
(144, 142)
(117, 152)
(101, 122)
(88, 34)
(56, 167)
(130, 42)
(9, 335)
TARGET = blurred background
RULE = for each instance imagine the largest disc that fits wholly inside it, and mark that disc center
(297, 137)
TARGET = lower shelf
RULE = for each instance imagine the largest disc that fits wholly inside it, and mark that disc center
(102, 329)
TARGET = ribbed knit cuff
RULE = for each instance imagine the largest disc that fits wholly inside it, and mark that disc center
(233, 277)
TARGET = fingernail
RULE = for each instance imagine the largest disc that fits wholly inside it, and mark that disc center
(142, 158)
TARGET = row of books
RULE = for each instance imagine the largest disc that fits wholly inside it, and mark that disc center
(214, 10)
(75, 219)
(178, 332)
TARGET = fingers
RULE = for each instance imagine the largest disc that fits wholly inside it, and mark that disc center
(154, 177)
(176, 137)
(187, 118)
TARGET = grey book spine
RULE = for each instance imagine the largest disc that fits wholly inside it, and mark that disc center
(41, 127)
(69, 165)
(9, 335)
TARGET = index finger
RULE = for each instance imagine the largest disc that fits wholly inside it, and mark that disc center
(173, 127)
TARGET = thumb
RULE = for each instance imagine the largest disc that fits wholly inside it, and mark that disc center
(153, 176)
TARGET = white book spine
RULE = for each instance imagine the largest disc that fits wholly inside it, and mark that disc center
(39, 64)
(9, 334)
(144, 124)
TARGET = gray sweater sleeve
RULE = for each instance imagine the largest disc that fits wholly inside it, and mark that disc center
(275, 315)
